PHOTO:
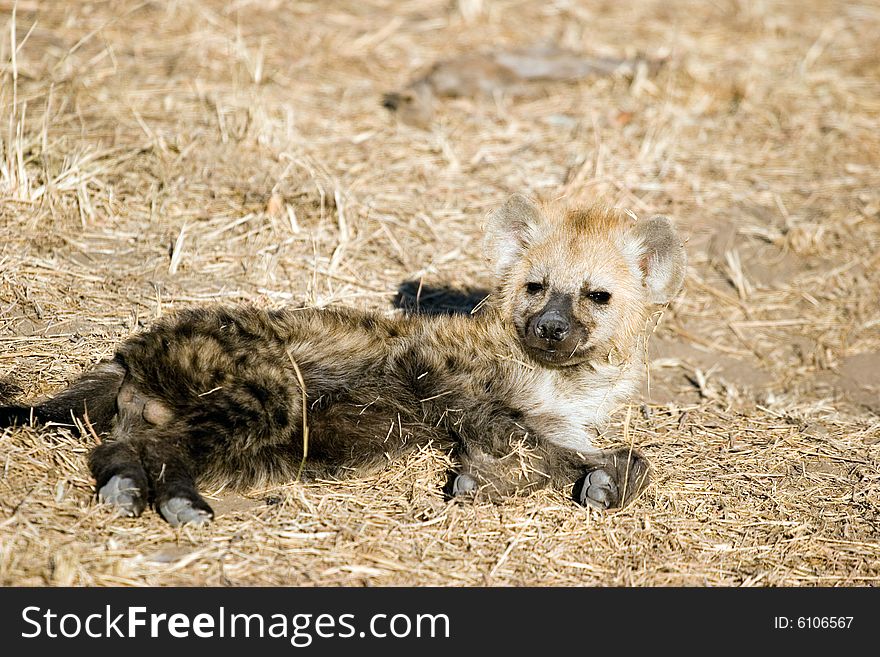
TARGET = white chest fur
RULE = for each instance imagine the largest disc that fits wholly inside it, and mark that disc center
(569, 410)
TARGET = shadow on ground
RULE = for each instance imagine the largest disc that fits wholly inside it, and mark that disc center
(417, 298)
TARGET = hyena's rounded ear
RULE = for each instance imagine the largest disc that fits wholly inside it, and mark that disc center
(509, 229)
(661, 257)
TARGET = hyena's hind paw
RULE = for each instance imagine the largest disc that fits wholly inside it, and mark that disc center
(183, 510)
(123, 493)
(130, 482)
(129, 499)
(616, 483)
(463, 485)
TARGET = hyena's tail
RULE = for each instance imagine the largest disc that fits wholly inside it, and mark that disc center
(92, 397)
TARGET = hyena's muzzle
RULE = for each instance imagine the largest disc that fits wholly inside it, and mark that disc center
(554, 334)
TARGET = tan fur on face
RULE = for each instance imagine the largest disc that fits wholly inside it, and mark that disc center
(572, 251)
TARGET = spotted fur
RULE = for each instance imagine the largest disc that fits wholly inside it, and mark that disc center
(214, 395)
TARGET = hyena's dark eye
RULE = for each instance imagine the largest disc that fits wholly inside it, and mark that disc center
(534, 288)
(599, 296)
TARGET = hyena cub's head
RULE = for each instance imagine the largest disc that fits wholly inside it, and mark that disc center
(577, 283)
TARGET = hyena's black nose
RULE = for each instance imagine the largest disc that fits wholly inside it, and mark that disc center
(552, 326)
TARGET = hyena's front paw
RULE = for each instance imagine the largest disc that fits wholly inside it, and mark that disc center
(616, 483)
(599, 491)
(123, 493)
(182, 510)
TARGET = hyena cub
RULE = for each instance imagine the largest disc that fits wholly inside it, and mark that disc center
(518, 392)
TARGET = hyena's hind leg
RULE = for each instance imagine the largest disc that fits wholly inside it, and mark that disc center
(120, 477)
(134, 471)
(142, 463)
(171, 472)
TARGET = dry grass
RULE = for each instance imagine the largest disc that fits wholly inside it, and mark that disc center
(156, 154)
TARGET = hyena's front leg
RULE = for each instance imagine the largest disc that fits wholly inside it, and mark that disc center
(499, 456)
(506, 460)
(520, 467)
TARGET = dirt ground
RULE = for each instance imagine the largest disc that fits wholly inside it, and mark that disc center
(158, 154)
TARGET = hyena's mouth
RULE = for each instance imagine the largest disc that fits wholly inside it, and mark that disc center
(555, 353)
(557, 356)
